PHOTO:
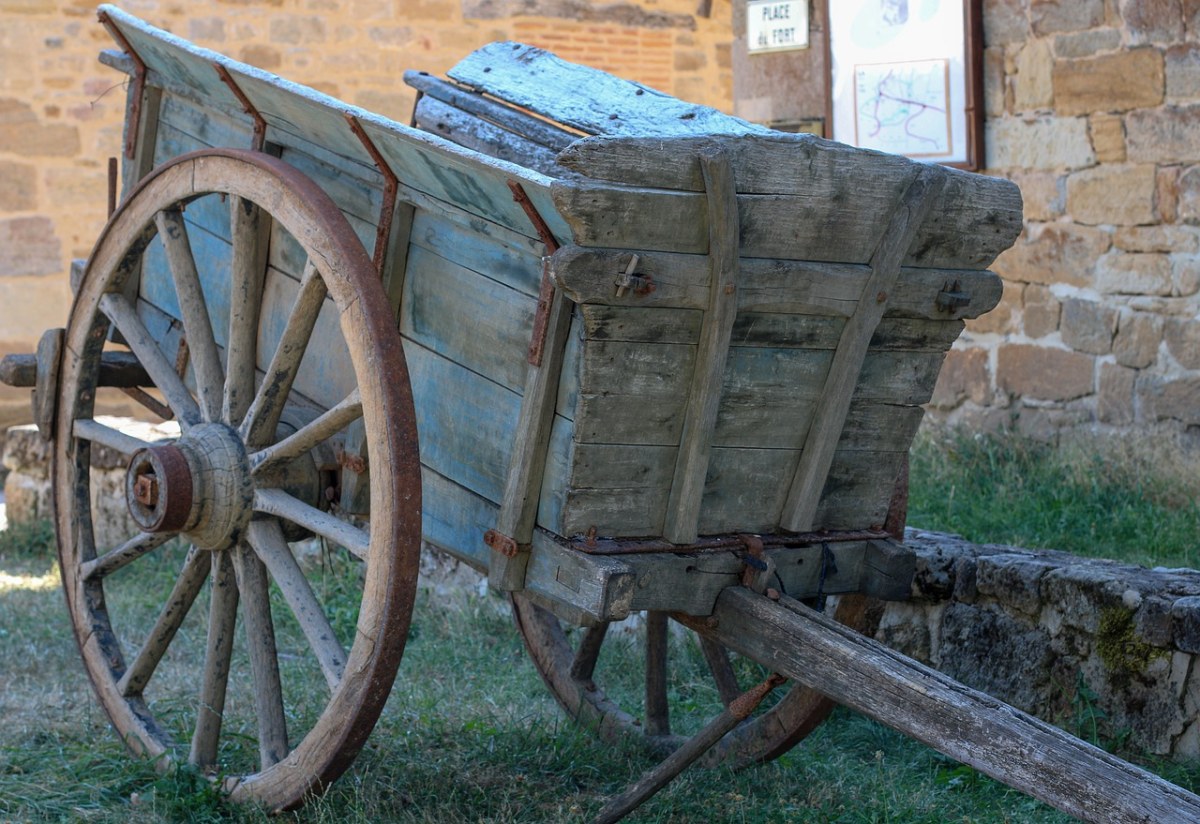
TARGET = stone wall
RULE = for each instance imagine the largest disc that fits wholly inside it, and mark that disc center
(61, 111)
(1093, 109)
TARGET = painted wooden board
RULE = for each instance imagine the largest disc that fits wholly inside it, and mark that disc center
(585, 98)
(778, 286)
(467, 318)
(502, 255)
(470, 131)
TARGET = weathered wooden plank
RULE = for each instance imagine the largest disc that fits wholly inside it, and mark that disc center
(789, 227)
(469, 130)
(597, 102)
(207, 125)
(503, 255)
(704, 395)
(522, 485)
(966, 725)
(777, 286)
(467, 318)
(845, 370)
(514, 120)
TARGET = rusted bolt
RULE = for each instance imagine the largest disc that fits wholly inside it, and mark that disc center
(772, 593)
(145, 490)
(729, 288)
(881, 297)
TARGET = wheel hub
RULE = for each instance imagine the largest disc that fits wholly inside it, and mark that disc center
(199, 485)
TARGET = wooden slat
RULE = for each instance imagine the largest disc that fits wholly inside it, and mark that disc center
(264, 659)
(222, 620)
(470, 131)
(704, 394)
(282, 505)
(658, 719)
(846, 368)
(513, 120)
(966, 725)
(775, 286)
(251, 231)
(481, 246)
(585, 98)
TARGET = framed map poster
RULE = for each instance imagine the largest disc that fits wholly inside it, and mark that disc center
(906, 78)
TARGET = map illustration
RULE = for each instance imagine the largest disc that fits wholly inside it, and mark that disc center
(903, 107)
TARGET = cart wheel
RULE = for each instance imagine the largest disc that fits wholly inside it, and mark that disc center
(222, 500)
(569, 669)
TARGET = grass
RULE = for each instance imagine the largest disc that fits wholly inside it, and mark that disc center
(470, 733)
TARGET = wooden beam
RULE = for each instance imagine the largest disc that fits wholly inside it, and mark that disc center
(969, 726)
(804, 495)
(704, 396)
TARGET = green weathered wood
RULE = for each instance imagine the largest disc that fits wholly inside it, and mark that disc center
(776, 286)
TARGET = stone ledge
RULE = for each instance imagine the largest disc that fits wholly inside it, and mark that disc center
(1062, 637)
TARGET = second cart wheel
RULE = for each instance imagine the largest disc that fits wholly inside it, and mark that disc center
(227, 338)
(572, 665)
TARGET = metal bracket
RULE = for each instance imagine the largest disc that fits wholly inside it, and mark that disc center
(501, 543)
(640, 284)
(391, 189)
(952, 298)
(537, 343)
(139, 84)
(260, 124)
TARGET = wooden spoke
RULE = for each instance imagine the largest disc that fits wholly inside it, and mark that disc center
(121, 312)
(308, 436)
(267, 539)
(130, 551)
(264, 659)
(197, 327)
(249, 228)
(584, 664)
(263, 416)
(279, 503)
(658, 721)
(179, 603)
(222, 615)
(90, 430)
(722, 671)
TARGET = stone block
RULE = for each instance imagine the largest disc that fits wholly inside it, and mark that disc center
(1054, 253)
(1162, 135)
(1169, 400)
(1152, 621)
(26, 452)
(1032, 86)
(1185, 624)
(295, 30)
(1140, 273)
(1183, 73)
(1188, 191)
(1004, 22)
(18, 186)
(1120, 195)
(1183, 240)
(1041, 311)
(905, 627)
(1137, 339)
(1108, 137)
(1049, 16)
(1183, 341)
(1047, 424)
(22, 133)
(1044, 373)
(1114, 82)
(1038, 143)
(999, 319)
(964, 376)
(1114, 398)
(1044, 194)
(261, 55)
(1185, 274)
(994, 86)
(1088, 326)
(30, 246)
(1086, 43)
(1013, 580)
(1083, 592)
(26, 498)
(1152, 21)
(993, 651)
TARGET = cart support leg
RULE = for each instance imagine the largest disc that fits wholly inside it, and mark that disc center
(974, 728)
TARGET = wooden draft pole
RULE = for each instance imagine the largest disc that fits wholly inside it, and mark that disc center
(969, 726)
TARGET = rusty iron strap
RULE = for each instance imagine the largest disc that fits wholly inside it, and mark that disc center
(139, 84)
(721, 543)
(537, 342)
(391, 188)
(260, 124)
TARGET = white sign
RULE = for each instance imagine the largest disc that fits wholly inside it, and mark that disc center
(776, 25)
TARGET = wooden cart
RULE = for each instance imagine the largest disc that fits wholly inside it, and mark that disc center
(661, 360)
